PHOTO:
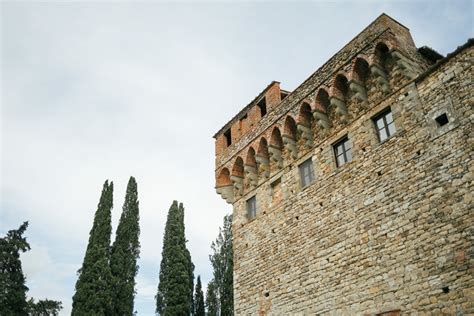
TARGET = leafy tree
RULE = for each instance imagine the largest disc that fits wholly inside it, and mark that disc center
(12, 281)
(199, 309)
(125, 252)
(93, 288)
(222, 264)
(212, 302)
(44, 307)
(175, 288)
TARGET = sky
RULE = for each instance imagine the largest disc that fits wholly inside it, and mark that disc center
(107, 90)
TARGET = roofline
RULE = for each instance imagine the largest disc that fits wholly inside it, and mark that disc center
(439, 63)
(246, 108)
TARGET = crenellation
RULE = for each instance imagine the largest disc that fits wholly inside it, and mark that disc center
(388, 229)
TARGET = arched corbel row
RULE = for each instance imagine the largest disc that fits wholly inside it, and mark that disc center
(262, 158)
(237, 177)
(224, 186)
(289, 137)
(358, 78)
(378, 67)
(304, 124)
(321, 109)
(275, 148)
(338, 95)
(250, 169)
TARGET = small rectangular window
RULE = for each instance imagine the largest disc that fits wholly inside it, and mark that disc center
(228, 137)
(306, 173)
(262, 105)
(277, 194)
(385, 125)
(343, 151)
(442, 120)
(252, 207)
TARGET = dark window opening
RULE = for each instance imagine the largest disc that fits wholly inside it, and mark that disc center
(385, 125)
(442, 120)
(306, 173)
(283, 95)
(228, 137)
(262, 105)
(343, 151)
(252, 207)
(446, 289)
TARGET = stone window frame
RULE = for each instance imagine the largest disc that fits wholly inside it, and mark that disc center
(273, 183)
(251, 207)
(444, 108)
(307, 163)
(381, 115)
(342, 141)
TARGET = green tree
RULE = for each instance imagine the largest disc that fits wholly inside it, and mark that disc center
(175, 288)
(199, 309)
(44, 307)
(93, 288)
(125, 252)
(222, 263)
(212, 302)
(12, 281)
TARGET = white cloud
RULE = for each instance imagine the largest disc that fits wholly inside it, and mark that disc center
(92, 91)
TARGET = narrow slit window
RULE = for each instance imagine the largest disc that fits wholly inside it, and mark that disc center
(228, 137)
(262, 105)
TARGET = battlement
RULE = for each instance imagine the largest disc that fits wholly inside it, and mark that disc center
(277, 127)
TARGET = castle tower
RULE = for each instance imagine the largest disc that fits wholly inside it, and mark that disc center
(352, 193)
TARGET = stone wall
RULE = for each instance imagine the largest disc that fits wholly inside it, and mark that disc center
(392, 230)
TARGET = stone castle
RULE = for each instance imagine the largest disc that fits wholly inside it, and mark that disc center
(352, 194)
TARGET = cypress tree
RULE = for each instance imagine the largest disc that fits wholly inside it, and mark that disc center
(93, 288)
(125, 252)
(212, 302)
(175, 288)
(12, 281)
(199, 309)
(223, 264)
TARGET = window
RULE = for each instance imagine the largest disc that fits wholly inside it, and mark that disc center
(228, 137)
(277, 194)
(252, 207)
(306, 173)
(343, 151)
(442, 120)
(263, 107)
(384, 124)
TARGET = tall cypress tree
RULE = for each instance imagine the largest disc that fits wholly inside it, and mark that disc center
(212, 302)
(175, 288)
(199, 309)
(93, 288)
(12, 281)
(223, 264)
(125, 252)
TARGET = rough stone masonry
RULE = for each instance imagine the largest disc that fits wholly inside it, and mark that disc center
(352, 194)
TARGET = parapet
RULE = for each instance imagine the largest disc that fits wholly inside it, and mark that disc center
(279, 126)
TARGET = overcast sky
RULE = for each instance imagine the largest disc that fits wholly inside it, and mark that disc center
(94, 91)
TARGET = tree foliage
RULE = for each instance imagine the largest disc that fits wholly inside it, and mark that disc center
(199, 309)
(44, 307)
(125, 252)
(175, 288)
(12, 281)
(93, 288)
(222, 263)
(212, 302)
